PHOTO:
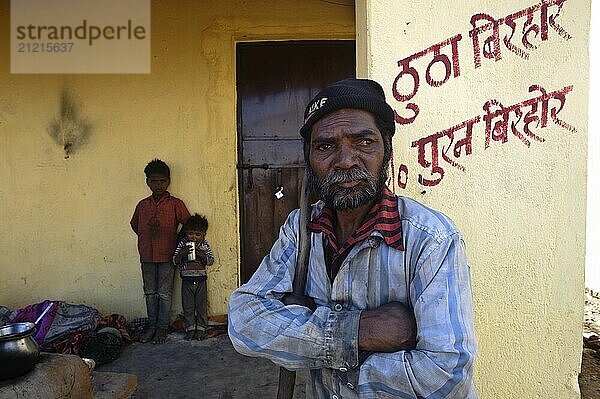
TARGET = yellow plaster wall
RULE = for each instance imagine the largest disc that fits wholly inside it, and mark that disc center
(65, 222)
(521, 209)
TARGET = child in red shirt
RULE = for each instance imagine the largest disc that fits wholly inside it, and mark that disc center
(155, 221)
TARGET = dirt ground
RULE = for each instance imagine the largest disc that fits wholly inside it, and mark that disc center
(213, 369)
(198, 369)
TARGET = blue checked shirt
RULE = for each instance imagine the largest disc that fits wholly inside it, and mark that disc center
(430, 276)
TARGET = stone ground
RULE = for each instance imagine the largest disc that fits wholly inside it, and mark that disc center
(213, 369)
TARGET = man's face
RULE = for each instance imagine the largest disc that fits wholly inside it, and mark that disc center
(346, 159)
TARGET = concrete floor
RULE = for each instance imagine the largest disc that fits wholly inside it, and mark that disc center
(199, 369)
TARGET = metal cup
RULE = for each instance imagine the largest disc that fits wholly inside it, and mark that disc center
(192, 253)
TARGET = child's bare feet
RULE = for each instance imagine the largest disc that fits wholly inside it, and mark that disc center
(148, 335)
(161, 336)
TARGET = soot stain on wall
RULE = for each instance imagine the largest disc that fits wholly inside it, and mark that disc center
(69, 130)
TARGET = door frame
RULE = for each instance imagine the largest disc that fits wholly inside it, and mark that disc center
(239, 150)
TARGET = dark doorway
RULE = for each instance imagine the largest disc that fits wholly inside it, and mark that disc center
(275, 81)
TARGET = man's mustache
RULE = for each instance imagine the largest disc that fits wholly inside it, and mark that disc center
(339, 197)
(338, 176)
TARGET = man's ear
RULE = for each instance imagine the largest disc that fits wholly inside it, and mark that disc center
(147, 181)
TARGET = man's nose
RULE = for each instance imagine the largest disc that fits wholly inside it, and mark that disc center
(346, 157)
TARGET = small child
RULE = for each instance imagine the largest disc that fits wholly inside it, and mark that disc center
(155, 221)
(192, 270)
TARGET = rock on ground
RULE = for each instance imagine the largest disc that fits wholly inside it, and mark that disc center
(54, 376)
(589, 378)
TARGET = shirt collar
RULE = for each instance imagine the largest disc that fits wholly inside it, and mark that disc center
(163, 198)
(383, 217)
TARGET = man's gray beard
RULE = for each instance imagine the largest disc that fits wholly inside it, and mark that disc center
(340, 198)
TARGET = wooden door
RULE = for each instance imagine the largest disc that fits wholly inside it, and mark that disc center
(275, 81)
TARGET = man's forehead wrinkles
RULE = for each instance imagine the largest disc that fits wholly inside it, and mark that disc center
(363, 133)
(330, 135)
(323, 139)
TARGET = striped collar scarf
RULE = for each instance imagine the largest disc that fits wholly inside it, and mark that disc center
(383, 217)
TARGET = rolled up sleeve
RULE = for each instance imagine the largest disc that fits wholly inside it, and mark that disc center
(291, 336)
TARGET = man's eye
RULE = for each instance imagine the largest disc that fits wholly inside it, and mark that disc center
(323, 147)
(365, 142)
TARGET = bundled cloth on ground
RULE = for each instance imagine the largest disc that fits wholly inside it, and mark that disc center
(65, 327)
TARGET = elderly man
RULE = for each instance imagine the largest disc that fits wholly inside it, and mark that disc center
(388, 310)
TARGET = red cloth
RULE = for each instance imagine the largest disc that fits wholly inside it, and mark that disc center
(155, 224)
(117, 321)
(67, 344)
(383, 217)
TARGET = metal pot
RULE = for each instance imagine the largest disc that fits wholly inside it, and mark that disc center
(18, 350)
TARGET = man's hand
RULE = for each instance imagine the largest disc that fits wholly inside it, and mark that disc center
(389, 328)
(293, 299)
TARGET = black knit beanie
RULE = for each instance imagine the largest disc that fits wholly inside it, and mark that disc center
(354, 93)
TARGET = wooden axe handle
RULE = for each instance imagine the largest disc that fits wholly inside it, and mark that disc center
(303, 239)
(287, 381)
(287, 378)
